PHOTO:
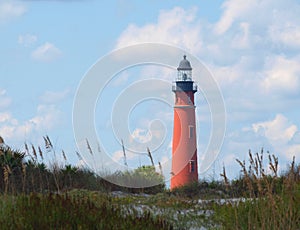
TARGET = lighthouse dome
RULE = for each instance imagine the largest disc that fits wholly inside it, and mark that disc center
(184, 64)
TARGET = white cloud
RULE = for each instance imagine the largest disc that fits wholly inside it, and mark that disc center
(279, 132)
(47, 117)
(141, 135)
(11, 129)
(10, 10)
(282, 74)
(287, 35)
(118, 156)
(257, 29)
(46, 53)
(241, 39)
(276, 19)
(252, 59)
(284, 31)
(177, 26)
(4, 117)
(27, 39)
(230, 75)
(233, 9)
(50, 97)
(252, 50)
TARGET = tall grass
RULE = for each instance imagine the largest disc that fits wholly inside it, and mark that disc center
(26, 172)
(36, 195)
(273, 201)
(63, 211)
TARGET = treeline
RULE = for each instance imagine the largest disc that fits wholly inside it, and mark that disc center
(26, 172)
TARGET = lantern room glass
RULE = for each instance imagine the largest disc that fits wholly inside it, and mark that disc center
(184, 75)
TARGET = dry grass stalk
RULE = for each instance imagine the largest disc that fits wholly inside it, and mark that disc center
(6, 173)
(64, 155)
(40, 152)
(48, 143)
(124, 153)
(98, 147)
(79, 156)
(26, 149)
(276, 203)
(246, 176)
(160, 168)
(23, 176)
(89, 146)
(273, 164)
(150, 156)
(226, 181)
(34, 152)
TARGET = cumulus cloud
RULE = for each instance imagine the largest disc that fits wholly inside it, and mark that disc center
(46, 53)
(252, 50)
(276, 20)
(141, 135)
(176, 26)
(118, 156)
(233, 9)
(46, 118)
(10, 10)
(241, 39)
(50, 97)
(257, 29)
(15, 130)
(289, 35)
(27, 39)
(282, 74)
(279, 132)
(6, 117)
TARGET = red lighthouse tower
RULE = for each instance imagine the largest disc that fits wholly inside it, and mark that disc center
(184, 148)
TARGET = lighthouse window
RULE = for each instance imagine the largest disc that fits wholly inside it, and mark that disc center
(191, 131)
(192, 166)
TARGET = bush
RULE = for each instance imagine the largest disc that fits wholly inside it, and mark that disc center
(144, 175)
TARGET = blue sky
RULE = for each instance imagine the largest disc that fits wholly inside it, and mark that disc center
(250, 47)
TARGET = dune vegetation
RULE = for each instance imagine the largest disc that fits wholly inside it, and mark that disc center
(37, 195)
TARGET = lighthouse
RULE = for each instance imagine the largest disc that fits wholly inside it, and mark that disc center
(184, 147)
